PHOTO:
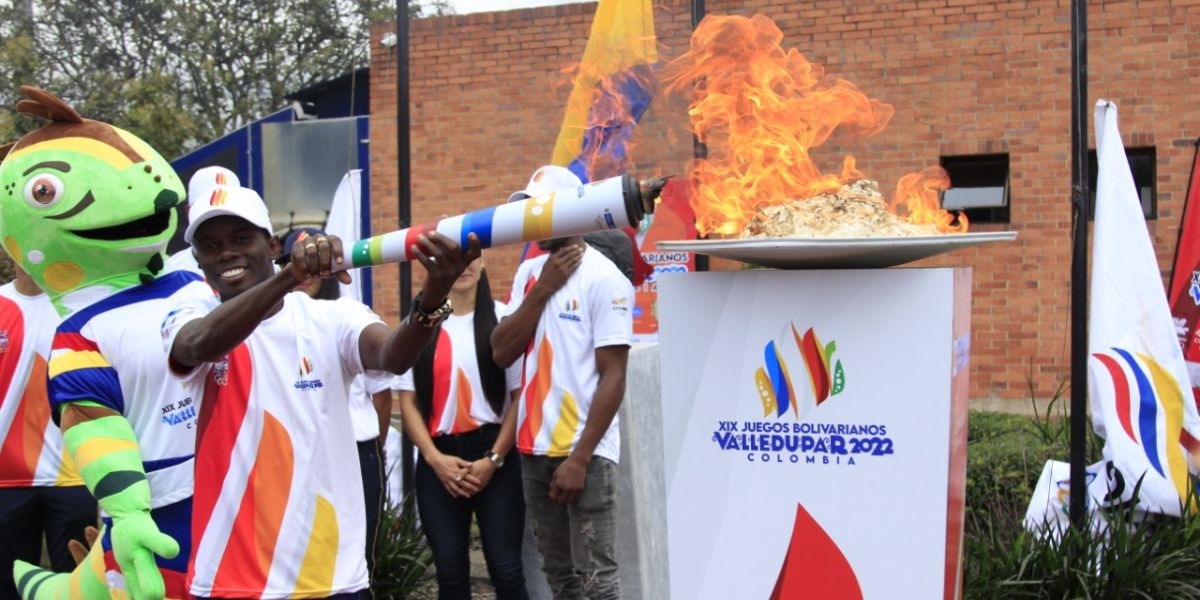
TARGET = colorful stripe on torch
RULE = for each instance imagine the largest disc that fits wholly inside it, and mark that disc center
(410, 239)
(480, 224)
(367, 252)
(539, 217)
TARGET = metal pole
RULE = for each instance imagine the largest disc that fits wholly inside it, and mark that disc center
(404, 194)
(699, 149)
(1081, 209)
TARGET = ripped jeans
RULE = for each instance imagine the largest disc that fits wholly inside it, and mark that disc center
(577, 541)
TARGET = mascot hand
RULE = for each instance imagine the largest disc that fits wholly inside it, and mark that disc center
(78, 549)
(135, 542)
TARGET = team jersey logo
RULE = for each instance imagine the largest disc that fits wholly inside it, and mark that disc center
(569, 310)
(1194, 288)
(3, 341)
(306, 368)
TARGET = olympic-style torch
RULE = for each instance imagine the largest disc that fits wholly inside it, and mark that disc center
(612, 203)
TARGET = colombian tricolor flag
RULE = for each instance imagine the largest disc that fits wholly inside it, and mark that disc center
(1137, 377)
(612, 90)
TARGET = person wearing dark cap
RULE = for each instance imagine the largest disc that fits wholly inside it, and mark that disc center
(320, 289)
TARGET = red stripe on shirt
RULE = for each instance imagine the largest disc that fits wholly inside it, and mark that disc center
(72, 341)
(222, 411)
(442, 359)
(27, 434)
(14, 468)
(246, 562)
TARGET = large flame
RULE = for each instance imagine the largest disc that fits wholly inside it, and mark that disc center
(916, 200)
(761, 110)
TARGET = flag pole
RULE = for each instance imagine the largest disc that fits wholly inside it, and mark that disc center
(404, 208)
(699, 148)
(1080, 201)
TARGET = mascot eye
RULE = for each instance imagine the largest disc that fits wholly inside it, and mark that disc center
(43, 190)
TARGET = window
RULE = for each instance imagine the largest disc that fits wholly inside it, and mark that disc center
(1141, 164)
(979, 187)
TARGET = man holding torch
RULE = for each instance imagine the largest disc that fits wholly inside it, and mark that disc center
(277, 511)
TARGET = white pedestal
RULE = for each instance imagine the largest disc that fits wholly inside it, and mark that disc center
(814, 429)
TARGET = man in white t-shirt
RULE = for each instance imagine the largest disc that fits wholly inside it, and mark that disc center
(570, 318)
(279, 506)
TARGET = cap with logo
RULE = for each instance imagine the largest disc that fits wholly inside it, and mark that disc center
(206, 178)
(550, 178)
(227, 201)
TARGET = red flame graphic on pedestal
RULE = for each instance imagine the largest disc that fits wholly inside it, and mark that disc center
(814, 566)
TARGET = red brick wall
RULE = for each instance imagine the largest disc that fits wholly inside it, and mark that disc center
(965, 76)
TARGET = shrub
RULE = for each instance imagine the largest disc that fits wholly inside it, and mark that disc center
(402, 557)
(1135, 557)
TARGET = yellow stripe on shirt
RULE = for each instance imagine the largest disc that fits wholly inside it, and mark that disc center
(77, 359)
(563, 434)
(315, 579)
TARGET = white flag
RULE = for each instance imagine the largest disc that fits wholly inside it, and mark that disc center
(1137, 378)
(1049, 509)
(345, 221)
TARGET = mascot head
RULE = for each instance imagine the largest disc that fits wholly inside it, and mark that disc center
(84, 206)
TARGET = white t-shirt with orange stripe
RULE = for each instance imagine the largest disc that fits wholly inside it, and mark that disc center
(277, 512)
(592, 310)
(31, 445)
(459, 404)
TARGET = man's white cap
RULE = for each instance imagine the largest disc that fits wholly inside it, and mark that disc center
(203, 181)
(550, 178)
(224, 200)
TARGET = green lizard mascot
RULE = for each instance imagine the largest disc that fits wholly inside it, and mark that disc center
(87, 210)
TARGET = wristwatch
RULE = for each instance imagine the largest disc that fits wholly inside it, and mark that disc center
(429, 319)
(495, 457)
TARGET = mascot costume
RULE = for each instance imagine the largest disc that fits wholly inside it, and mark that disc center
(87, 210)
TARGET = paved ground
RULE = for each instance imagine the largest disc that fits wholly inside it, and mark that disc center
(481, 586)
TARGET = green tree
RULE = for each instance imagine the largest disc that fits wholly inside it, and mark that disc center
(181, 73)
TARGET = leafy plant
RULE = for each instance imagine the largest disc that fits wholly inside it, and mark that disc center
(1134, 556)
(402, 557)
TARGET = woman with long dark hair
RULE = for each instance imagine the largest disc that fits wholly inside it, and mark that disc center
(456, 409)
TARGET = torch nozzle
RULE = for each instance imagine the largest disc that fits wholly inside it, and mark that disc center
(650, 190)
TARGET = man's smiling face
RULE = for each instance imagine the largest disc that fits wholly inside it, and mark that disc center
(234, 254)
